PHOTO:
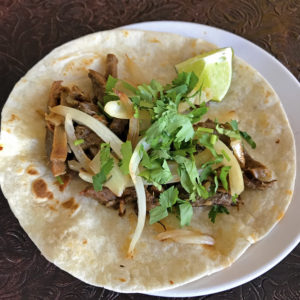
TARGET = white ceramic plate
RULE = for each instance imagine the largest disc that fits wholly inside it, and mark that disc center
(262, 256)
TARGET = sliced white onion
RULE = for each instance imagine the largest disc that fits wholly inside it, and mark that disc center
(117, 109)
(74, 165)
(140, 192)
(117, 180)
(202, 157)
(186, 237)
(95, 163)
(238, 151)
(99, 128)
(77, 150)
(133, 132)
(236, 181)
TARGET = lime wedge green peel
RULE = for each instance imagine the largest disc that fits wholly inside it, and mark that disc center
(214, 70)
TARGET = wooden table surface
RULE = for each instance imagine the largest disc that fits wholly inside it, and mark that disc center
(30, 29)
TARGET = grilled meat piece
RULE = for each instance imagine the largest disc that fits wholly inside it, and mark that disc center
(56, 92)
(59, 151)
(217, 199)
(101, 118)
(91, 140)
(256, 175)
(119, 126)
(88, 108)
(111, 66)
(98, 83)
(78, 94)
(105, 197)
(256, 184)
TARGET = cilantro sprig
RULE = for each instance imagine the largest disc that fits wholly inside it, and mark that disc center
(107, 164)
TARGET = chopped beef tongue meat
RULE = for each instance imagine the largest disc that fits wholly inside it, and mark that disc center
(256, 175)
(105, 197)
(88, 108)
(217, 199)
(98, 83)
(111, 66)
(109, 199)
(91, 140)
(119, 126)
(59, 151)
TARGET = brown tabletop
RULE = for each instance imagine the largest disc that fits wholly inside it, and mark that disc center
(30, 29)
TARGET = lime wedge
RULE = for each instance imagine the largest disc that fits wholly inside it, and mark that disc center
(214, 70)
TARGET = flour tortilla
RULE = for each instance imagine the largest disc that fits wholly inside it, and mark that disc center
(89, 240)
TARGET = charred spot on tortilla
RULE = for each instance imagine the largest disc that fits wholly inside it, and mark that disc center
(40, 189)
(13, 117)
(1, 147)
(65, 181)
(32, 171)
(70, 204)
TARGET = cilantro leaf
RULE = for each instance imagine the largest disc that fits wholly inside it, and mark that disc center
(110, 83)
(244, 134)
(248, 139)
(126, 150)
(129, 87)
(234, 125)
(223, 175)
(234, 198)
(169, 197)
(186, 213)
(107, 164)
(159, 175)
(228, 132)
(217, 209)
(196, 114)
(216, 183)
(205, 141)
(157, 213)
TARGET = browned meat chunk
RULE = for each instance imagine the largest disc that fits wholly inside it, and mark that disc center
(98, 83)
(101, 118)
(105, 197)
(256, 184)
(217, 199)
(258, 170)
(91, 140)
(111, 66)
(59, 151)
(78, 94)
(89, 108)
(256, 175)
(118, 126)
(55, 93)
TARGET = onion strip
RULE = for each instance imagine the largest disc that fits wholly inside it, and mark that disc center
(133, 132)
(140, 192)
(77, 150)
(186, 237)
(100, 129)
(236, 181)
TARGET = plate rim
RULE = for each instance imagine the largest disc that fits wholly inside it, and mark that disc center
(180, 27)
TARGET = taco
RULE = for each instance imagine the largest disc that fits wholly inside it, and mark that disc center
(63, 191)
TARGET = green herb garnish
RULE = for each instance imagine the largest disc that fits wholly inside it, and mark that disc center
(59, 180)
(78, 142)
(107, 164)
(126, 150)
(217, 209)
